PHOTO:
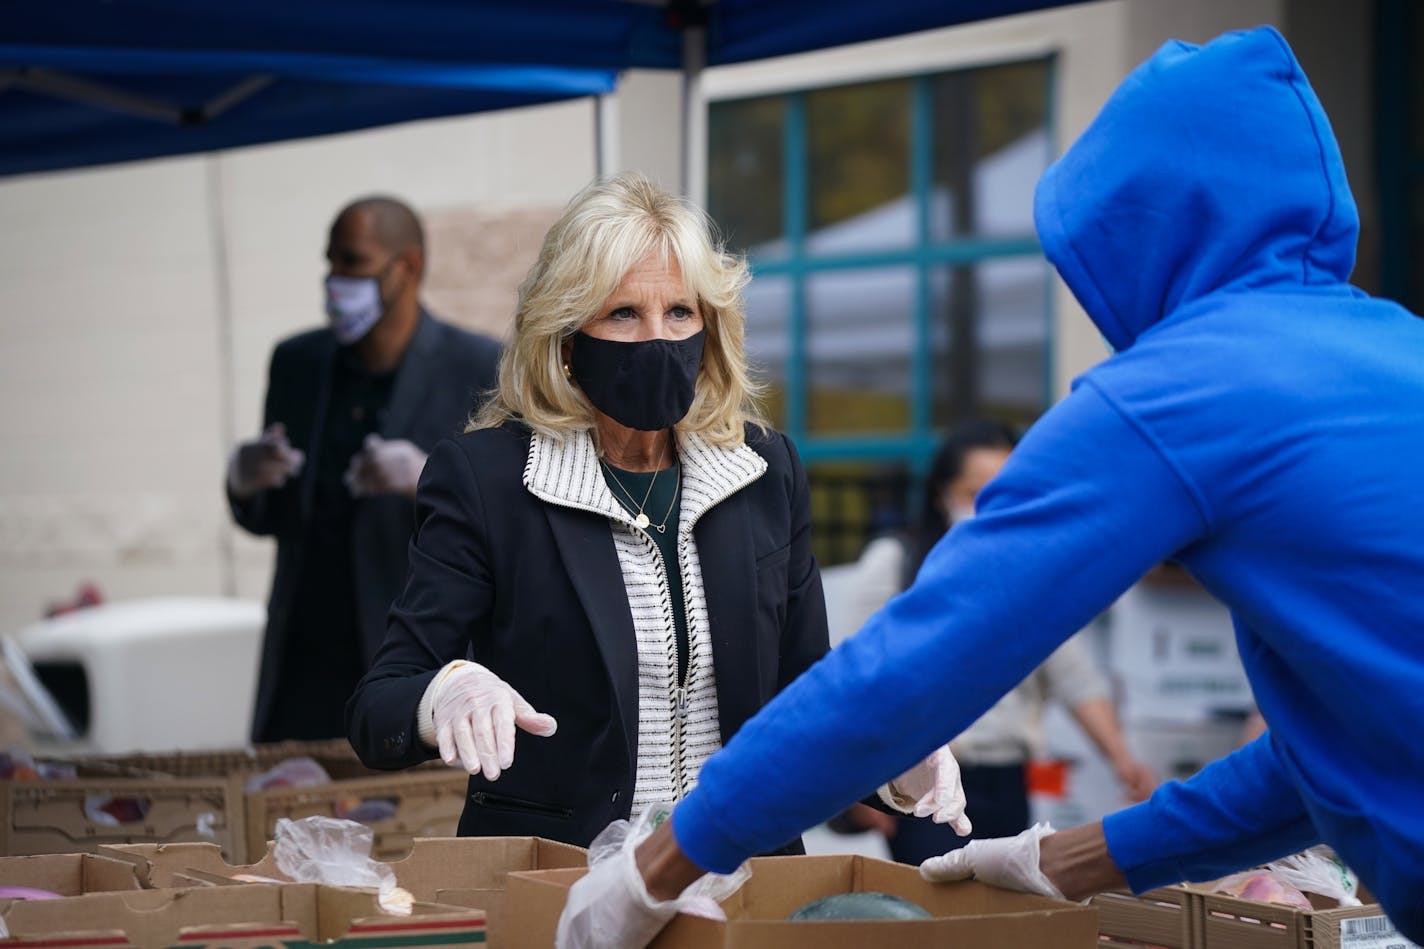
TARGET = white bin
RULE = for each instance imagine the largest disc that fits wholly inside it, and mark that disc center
(169, 673)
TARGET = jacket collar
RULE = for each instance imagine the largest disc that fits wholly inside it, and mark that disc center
(567, 473)
(413, 378)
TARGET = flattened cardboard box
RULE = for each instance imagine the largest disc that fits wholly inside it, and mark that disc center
(966, 915)
(294, 915)
(455, 871)
(69, 874)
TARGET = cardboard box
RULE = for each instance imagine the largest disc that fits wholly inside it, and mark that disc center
(48, 817)
(967, 915)
(1163, 918)
(201, 795)
(424, 801)
(1229, 922)
(237, 917)
(456, 871)
(1190, 916)
(69, 874)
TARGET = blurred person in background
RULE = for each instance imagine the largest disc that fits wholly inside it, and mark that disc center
(1258, 423)
(994, 751)
(351, 410)
(616, 558)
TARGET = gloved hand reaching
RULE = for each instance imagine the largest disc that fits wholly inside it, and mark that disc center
(1010, 863)
(384, 467)
(262, 463)
(933, 788)
(610, 908)
(470, 713)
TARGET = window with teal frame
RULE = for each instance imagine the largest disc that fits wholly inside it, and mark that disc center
(897, 284)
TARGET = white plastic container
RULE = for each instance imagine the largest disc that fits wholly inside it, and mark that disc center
(161, 674)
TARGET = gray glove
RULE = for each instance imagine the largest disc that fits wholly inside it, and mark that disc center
(262, 463)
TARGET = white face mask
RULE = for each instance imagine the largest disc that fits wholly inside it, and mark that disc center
(354, 306)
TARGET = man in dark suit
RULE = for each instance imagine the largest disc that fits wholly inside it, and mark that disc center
(352, 409)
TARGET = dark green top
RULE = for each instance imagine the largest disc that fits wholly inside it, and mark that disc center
(664, 493)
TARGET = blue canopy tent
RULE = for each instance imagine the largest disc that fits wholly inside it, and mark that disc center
(85, 82)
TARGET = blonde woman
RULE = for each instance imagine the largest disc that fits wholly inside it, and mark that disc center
(618, 542)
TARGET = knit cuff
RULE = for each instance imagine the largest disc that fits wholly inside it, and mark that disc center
(893, 798)
(425, 711)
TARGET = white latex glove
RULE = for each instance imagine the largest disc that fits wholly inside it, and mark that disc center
(262, 463)
(1010, 863)
(384, 467)
(609, 907)
(473, 713)
(932, 788)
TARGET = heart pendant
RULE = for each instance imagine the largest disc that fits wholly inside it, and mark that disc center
(642, 521)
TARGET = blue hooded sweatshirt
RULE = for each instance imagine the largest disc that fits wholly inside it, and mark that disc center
(1262, 423)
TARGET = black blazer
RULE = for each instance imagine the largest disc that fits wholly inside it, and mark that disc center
(534, 591)
(440, 378)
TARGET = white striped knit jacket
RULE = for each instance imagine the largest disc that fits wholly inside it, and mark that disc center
(678, 728)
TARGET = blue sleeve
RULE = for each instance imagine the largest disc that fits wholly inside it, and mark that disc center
(1084, 507)
(1240, 811)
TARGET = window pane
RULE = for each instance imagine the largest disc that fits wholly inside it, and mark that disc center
(991, 146)
(858, 157)
(853, 502)
(769, 340)
(744, 173)
(859, 336)
(989, 337)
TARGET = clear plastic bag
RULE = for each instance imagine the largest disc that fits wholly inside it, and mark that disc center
(336, 852)
(1319, 870)
(1286, 881)
(290, 773)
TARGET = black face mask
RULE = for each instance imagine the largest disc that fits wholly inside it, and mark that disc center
(647, 385)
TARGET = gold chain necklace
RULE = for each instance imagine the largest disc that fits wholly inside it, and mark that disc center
(642, 520)
(676, 486)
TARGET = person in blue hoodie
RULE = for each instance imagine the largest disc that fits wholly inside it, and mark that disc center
(1261, 423)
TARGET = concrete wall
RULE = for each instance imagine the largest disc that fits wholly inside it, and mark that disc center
(141, 303)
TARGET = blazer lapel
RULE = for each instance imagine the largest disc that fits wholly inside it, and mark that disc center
(586, 548)
(715, 506)
(413, 378)
(324, 367)
(578, 504)
(724, 535)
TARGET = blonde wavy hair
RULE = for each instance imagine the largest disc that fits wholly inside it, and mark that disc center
(608, 228)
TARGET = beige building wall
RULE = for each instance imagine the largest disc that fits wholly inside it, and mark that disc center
(141, 303)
